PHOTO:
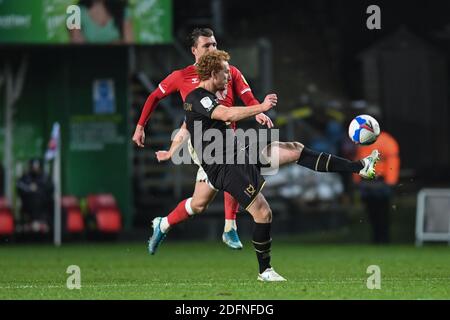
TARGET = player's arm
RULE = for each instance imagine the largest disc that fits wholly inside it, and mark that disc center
(243, 90)
(147, 110)
(238, 113)
(165, 88)
(180, 138)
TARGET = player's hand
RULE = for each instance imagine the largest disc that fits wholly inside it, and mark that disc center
(139, 136)
(270, 101)
(264, 120)
(163, 155)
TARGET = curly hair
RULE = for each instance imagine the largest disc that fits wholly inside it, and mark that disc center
(211, 61)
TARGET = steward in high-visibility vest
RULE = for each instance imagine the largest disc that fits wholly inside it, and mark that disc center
(388, 167)
(377, 194)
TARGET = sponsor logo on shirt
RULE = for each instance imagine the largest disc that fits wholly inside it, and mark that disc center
(207, 103)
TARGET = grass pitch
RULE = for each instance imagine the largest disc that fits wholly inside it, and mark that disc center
(193, 270)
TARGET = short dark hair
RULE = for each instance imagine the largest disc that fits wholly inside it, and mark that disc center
(199, 32)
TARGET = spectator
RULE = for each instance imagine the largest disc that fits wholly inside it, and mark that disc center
(36, 193)
(103, 22)
(377, 194)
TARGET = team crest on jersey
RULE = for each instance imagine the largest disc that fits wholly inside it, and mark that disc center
(207, 103)
(195, 80)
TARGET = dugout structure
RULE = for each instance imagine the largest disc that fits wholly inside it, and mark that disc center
(433, 216)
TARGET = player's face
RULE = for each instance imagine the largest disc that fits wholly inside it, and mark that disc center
(222, 77)
(204, 45)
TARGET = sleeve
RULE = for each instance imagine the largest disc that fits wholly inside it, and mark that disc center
(165, 88)
(205, 104)
(170, 84)
(242, 88)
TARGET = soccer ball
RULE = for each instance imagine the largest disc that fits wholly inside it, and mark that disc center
(364, 129)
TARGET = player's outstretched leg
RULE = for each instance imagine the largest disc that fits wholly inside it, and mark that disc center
(262, 240)
(325, 162)
(230, 236)
(289, 152)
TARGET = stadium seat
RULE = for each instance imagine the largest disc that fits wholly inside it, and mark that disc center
(108, 220)
(106, 212)
(74, 222)
(6, 219)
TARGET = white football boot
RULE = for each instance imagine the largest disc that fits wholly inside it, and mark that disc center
(269, 275)
(370, 161)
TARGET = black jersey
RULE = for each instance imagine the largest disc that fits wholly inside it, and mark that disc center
(213, 140)
(242, 181)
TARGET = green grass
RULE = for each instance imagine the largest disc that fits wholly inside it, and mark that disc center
(193, 270)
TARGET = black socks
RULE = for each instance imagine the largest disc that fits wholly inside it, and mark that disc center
(262, 243)
(325, 162)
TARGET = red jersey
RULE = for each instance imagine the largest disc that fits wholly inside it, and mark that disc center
(185, 80)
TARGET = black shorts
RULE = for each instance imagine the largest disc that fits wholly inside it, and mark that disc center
(242, 181)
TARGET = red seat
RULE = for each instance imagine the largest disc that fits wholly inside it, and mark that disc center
(74, 217)
(69, 202)
(108, 220)
(101, 200)
(75, 222)
(107, 214)
(6, 218)
(6, 222)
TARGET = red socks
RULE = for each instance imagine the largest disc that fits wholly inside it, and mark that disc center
(178, 214)
(231, 206)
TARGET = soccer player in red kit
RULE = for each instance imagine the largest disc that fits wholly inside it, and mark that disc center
(184, 81)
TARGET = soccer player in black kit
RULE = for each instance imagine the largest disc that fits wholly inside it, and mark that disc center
(206, 118)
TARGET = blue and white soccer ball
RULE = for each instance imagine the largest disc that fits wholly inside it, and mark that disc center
(364, 129)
